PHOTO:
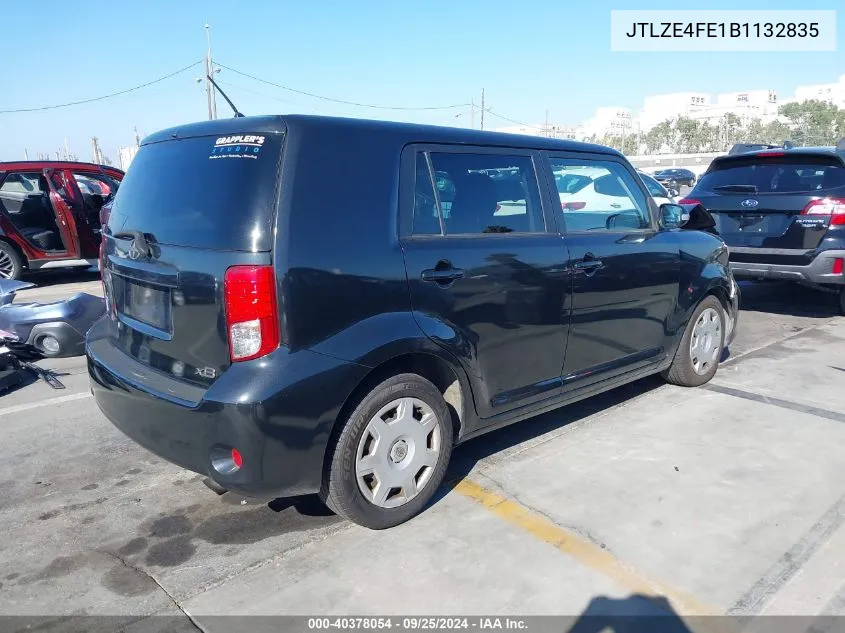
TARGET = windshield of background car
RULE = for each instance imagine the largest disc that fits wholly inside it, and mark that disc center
(206, 192)
(776, 175)
(655, 189)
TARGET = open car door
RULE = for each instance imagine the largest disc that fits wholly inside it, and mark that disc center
(62, 201)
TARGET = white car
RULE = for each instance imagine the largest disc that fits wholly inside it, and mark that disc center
(576, 188)
(657, 191)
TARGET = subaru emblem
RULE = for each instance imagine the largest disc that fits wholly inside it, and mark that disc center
(749, 203)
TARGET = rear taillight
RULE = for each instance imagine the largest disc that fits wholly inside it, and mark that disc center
(833, 207)
(770, 154)
(252, 319)
(689, 201)
(573, 206)
(837, 266)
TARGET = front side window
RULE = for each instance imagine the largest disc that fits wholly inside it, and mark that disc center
(611, 201)
(478, 194)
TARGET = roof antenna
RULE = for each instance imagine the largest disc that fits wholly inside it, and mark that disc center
(228, 100)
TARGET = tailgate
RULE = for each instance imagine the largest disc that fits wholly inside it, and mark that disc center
(760, 201)
(187, 211)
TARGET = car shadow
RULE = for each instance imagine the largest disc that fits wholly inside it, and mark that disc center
(466, 456)
(787, 298)
(637, 613)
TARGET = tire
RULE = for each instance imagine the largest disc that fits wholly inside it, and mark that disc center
(343, 491)
(842, 302)
(11, 263)
(682, 371)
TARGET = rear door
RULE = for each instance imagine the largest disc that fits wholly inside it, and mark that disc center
(759, 203)
(487, 271)
(187, 211)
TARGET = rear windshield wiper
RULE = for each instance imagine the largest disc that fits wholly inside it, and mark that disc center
(737, 188)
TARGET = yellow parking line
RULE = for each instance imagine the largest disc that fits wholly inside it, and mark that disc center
(587, 553)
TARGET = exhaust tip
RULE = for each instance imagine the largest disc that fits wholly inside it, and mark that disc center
(220, 490)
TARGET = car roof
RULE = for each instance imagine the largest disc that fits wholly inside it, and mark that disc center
(55, 164)
(403, 132)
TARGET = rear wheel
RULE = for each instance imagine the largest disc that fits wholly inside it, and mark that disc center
(391, 455)
(11, 263)
(698, 355)
(842, 301)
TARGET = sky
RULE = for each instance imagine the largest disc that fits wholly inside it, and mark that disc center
(530, 57)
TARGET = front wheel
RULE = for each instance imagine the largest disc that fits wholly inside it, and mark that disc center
(391, 454)
(700, 350)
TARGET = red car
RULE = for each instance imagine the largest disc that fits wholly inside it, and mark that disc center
(50, 214)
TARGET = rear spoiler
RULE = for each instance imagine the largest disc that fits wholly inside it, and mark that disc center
(745, 148)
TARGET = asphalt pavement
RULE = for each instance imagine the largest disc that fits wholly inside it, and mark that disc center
(728, 499)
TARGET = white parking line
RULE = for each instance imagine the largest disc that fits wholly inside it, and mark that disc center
(45, 403)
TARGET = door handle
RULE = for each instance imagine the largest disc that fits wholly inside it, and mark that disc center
(589, 264)
(442, 276)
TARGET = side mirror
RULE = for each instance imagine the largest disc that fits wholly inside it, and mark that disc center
(673, 216)
(673, 192)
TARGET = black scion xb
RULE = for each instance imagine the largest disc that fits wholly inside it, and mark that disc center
(315, 305)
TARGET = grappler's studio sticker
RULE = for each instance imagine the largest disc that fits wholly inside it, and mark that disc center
(238, 146)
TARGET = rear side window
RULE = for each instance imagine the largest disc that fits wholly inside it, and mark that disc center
(774, 176)
(480, 194)
(26, 183)
(211, 192)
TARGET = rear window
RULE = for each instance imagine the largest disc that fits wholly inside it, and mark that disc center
(206, 192)
(775, 176)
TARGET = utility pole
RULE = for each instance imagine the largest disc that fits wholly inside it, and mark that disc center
(472, 113)
(546, 126)
(209, 70)
(482, 108)
(25, 154)
(137, 138)
(96, 151)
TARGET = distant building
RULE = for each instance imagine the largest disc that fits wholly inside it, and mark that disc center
(748, 105)
(659, 108)
(607, 121)
(571, 132)
(832, 93)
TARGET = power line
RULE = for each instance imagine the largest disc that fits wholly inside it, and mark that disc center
(324, 98)
(108, 96)
(504, 118)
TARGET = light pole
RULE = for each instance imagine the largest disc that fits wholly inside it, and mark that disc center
(209, 69)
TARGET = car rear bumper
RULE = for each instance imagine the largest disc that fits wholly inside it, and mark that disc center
(819, 271)
(266, 409)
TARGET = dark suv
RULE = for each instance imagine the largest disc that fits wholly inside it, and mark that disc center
(781, 212)
(313, 305)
